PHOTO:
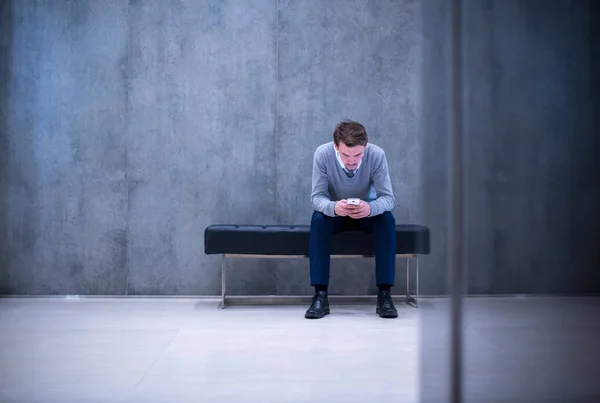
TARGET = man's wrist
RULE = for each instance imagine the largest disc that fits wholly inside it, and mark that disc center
(333, 209)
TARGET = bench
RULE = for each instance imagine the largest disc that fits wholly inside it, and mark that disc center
(285, 241)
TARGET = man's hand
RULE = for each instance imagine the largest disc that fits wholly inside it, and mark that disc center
(342, 208)
(361, 211)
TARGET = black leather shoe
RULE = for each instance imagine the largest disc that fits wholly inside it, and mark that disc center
(319, 307)
(385, 305)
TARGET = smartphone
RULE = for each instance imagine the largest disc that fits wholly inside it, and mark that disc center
(353, 201)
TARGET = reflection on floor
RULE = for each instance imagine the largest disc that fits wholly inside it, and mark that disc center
(519, 350)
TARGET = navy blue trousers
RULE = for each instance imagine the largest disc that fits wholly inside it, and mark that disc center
(322, 227)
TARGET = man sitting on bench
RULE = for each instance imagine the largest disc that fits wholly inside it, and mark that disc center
(349, 168)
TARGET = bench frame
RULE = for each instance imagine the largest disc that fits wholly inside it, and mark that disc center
(410, 299)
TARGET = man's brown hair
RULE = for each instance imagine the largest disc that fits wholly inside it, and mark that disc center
(350, 133)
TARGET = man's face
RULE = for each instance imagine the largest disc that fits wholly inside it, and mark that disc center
(350, 156)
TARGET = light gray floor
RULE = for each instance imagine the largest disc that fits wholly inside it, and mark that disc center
(185, 350)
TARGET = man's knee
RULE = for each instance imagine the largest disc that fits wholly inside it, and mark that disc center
(319, 218)
(387, 218)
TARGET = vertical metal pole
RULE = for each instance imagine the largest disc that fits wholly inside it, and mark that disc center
(455, 210)
(407, 280)
(417, 295)
(223, 282)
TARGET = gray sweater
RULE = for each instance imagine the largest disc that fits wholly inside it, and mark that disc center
(370, 183)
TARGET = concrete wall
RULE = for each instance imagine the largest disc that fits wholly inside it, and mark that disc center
(121, 120)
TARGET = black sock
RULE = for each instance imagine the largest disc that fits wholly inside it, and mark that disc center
(320, 287)
(384, 287)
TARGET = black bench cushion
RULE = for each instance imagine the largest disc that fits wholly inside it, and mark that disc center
(294, 240)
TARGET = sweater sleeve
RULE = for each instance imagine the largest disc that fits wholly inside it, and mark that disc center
(385, 200)
(319, 197)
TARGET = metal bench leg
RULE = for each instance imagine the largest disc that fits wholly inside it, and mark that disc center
(417, 297)
(223, 282)
(410, 300)
(408, 280)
